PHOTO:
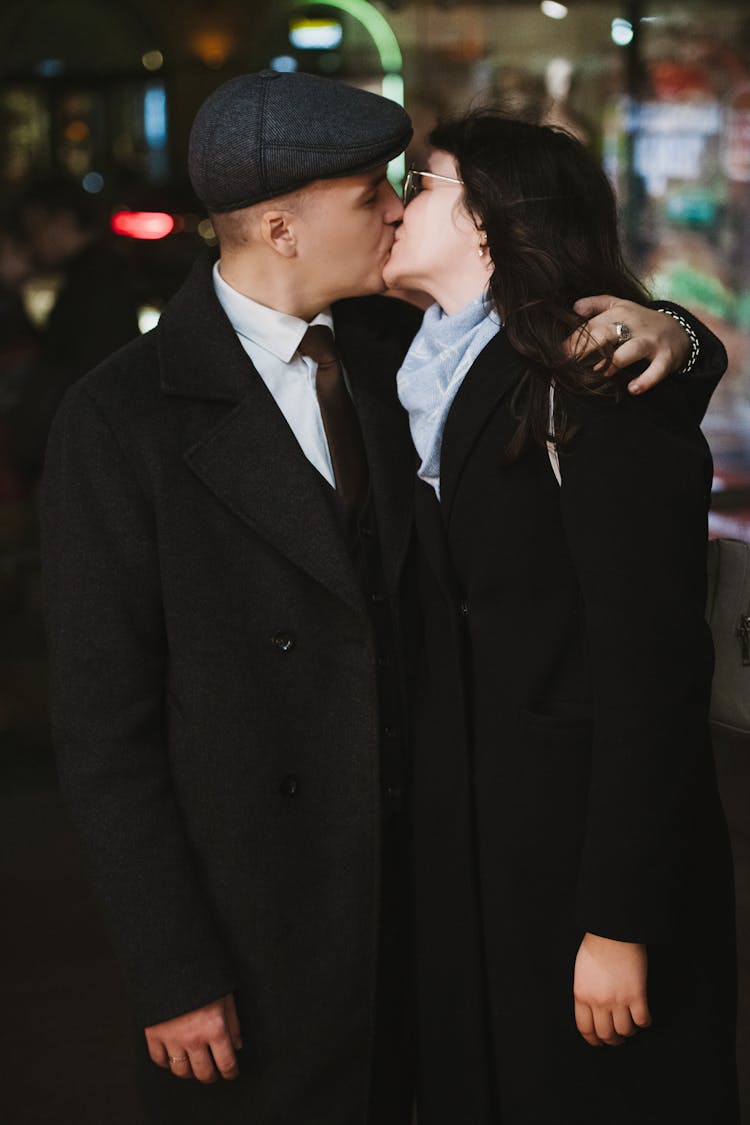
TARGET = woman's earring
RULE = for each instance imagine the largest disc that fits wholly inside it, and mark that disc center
(482, 248)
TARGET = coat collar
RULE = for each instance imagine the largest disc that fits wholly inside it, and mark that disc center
(251, 460)
(495, 372)
(277, 332)
(199, 353)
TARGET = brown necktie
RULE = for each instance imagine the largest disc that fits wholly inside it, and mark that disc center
(340, 420)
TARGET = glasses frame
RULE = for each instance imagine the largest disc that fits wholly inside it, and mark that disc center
(410, 189)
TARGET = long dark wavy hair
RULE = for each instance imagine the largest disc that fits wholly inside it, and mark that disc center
(550, 218)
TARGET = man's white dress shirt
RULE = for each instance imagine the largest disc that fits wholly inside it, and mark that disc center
(271, 340)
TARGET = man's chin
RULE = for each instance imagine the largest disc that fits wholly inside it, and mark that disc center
(367, 288)
(372, 288)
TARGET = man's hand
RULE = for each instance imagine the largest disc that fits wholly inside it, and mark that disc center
(609, 988)
(200, 1044)
(654, 336)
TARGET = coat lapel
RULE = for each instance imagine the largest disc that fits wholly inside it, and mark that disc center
(433, 541)
(371, 357)
(251, 461)
(494, 373)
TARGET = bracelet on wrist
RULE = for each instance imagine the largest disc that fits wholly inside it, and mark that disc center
(694, 344)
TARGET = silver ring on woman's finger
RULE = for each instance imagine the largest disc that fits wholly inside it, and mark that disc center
(177, 1058)
(622, 332)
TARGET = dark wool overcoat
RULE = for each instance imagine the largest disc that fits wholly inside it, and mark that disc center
(564, 778)
(215, 698)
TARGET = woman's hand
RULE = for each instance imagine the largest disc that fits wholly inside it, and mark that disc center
(654, 336)
(609, 988)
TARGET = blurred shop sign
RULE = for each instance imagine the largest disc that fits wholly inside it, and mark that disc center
(315, 34)
(693, 209)
(736, 148)
(701, 118)
(671, 139)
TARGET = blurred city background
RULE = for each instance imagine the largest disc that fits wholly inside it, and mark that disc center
(98, 227)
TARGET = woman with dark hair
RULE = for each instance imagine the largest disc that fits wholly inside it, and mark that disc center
(575, 930)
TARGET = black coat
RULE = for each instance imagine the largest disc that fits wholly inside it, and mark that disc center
(564, 779)
(215, 705)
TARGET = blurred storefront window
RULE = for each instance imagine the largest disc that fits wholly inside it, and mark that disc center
(81, 93)
(687, 187)
(24, 134)
(107, 129)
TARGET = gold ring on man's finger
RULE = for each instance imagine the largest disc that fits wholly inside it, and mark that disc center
(178, 1058)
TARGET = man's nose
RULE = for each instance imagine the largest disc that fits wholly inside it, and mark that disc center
(394, 208)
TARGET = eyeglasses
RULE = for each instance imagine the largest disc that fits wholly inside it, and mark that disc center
(413, 183)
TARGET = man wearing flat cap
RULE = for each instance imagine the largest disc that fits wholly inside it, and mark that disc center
(227, 522)
(224, 543)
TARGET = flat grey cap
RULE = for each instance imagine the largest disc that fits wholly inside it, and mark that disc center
(263, 135)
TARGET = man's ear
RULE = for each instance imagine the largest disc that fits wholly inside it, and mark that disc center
(277, 231)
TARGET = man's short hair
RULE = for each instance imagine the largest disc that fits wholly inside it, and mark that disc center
(232, 228)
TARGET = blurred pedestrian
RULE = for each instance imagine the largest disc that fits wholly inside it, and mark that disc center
(19, 345)
(94, 312)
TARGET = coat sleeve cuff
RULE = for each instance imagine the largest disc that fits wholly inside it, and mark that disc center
(181, 988)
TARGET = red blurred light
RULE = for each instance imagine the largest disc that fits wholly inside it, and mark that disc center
(142, 224)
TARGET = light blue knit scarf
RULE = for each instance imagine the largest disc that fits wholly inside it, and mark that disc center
(433, 370)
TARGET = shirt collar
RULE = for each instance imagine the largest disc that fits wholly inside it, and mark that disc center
(277, 332)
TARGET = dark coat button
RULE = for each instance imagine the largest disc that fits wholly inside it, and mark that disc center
(393, 792)
(390, 732)
(464, 608)
(285, 642)
(366, 531)
(377, 598)
(289, 786)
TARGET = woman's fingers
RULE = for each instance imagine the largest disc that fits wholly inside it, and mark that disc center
(640, 1012)
(592, 306)
(630, 353)
(623, 1022)
(589, 338)
(605, 1028)
(585, 1024)
(599, 331)
(656, 371)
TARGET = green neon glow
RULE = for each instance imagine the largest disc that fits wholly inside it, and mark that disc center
(391, 59)
(393, 88)
(372, 20)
